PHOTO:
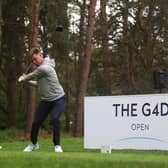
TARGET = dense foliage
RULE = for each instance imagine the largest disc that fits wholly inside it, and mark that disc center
(130, 41)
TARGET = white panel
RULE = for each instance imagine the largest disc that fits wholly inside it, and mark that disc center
(126, 122)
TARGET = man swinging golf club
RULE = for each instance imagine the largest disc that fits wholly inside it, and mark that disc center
(53, 98)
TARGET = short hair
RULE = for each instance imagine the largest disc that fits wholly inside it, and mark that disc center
(33, 51)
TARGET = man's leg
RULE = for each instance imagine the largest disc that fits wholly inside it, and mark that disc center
(41, 114)
(57, 108)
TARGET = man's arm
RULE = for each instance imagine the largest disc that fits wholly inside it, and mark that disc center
(33, 83)
(36, 74)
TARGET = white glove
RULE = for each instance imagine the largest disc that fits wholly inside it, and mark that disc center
(21, 78)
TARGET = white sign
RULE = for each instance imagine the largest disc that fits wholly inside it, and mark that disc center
(126, 122)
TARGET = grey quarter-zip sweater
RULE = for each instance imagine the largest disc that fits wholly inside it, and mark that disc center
(46, 78)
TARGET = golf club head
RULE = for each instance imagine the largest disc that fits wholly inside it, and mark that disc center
(59, 28)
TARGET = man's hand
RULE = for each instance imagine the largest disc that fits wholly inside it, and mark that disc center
(21, 78)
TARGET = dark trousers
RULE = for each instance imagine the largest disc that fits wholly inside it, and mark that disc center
(55, 107)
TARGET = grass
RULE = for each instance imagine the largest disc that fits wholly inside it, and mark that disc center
(74, 156)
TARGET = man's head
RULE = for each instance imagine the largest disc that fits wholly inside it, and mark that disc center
(36, 56)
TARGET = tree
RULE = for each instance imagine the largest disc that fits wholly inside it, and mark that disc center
(126, 46)
(34, 23)
(0, 21)
(105, 48)
(85, 69)
(10, 30)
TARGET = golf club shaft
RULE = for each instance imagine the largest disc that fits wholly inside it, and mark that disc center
(28, 68)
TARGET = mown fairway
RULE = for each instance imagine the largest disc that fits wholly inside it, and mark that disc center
(74, 156)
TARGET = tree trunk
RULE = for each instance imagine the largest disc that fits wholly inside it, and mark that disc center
(11, 94)
(0, 22)
(79, 62)
(126, 49)
(150, 58)
(150, 42)
(67, 112)
(81, 35)
(105, 51)
(34, 22)
(85, 70)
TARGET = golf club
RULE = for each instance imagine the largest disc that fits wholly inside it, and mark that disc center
(59, 28)
(28, 68)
